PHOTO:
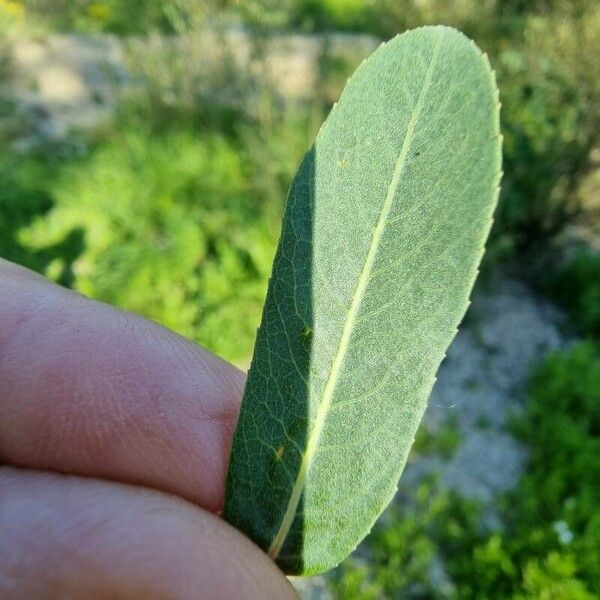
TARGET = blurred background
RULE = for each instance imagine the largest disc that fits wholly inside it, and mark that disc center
(145, 152)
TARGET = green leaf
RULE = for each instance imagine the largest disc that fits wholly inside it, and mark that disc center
(383, 231)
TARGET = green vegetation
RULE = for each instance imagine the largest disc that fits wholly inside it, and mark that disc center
(115, 16)
(576, 285)
(178, 225)
(24, 196)
(187, 242)
(443, 441)
(560, 492)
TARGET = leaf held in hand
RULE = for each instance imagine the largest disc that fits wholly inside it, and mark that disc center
(383, 231)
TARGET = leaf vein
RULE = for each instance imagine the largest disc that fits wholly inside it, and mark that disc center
(330, 385)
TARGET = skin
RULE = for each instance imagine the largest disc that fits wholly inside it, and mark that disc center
(114, 441)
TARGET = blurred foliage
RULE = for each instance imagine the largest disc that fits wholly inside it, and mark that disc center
(123, 17)
(544, 52)
(561, 484)
(177, 225)
(434, 544)
(550, 90)
(575, 283)
(444, 440)
(11, 12)
(171, 229)
(12, 17)
(23, 197)
(551, 548)
(173, 210)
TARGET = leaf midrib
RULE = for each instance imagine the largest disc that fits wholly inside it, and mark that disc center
(336, 367)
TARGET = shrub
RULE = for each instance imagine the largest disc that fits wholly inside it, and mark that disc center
(24, 196)
(170, 229)
(551, 120)
(576, 284)
(124, 17)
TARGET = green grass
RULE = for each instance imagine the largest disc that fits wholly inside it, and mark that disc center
(576, 285)
(175, 223)
(443, 441)
(170, 228)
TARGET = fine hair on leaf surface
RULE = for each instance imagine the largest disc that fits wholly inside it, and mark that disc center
(383, 232)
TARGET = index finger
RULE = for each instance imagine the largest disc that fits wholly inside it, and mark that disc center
(91, 390)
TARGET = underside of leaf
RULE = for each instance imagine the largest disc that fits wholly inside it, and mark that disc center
(383, 231)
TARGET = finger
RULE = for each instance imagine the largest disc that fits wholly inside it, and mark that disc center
(91, 390)
(66, 537)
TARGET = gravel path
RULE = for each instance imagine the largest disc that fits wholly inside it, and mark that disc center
(484, 379)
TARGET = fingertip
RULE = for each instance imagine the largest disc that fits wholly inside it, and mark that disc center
(92, 390)
(70, 537)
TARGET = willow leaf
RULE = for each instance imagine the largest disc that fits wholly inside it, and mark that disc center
(383, 231)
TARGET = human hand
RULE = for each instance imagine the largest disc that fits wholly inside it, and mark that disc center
(114, 441)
